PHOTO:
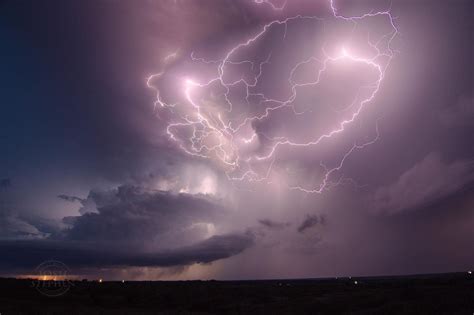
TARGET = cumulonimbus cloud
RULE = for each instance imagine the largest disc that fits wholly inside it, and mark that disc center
(137, 227)
(28, 254)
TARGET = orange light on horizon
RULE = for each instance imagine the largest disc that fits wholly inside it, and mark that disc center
(48, 277)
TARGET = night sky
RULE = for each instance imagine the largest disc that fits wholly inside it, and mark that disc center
(237, 139)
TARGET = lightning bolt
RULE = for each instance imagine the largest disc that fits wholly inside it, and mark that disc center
(272, 5)
(204, 130)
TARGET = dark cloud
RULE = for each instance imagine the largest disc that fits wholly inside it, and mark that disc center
(136, 214)
(311, 221)
(428, 180)
(14, 227)
(70, 198)
(273, 225)
(135, 227)
(28, 254)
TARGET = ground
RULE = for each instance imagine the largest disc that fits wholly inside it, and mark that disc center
(428, 294)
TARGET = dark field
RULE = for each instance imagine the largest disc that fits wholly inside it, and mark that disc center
(429, 294)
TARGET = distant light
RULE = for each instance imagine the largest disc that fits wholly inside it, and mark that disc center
(100, 280)
(469, 272)
(123, 281)
(355, 282)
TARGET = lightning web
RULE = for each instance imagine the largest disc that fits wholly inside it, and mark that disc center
(217, 108)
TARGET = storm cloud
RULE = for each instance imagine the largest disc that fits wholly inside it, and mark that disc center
(137, 227)
(311, 221)
(427, 181)
(273, 225)
(70, 198)
(117, 156)
(28, 254)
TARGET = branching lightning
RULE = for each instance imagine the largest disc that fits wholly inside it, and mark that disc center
(211, 134)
